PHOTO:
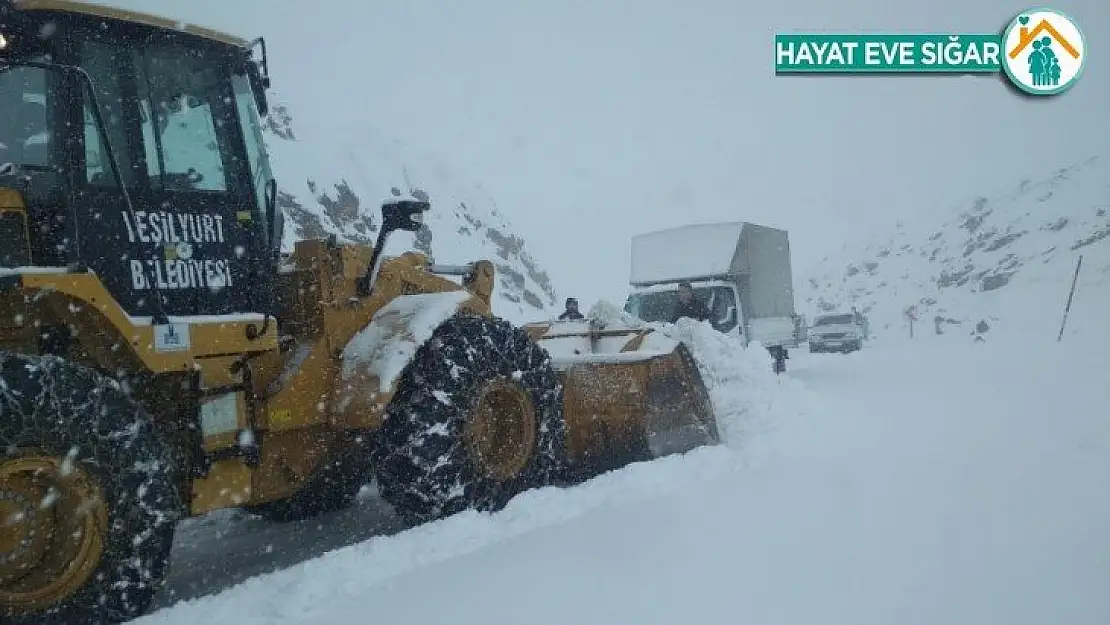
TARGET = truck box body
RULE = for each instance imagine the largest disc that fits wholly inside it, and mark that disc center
(756, 257)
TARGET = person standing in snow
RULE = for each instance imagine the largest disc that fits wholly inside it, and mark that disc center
(689, 305)
(570, 311)
(780, 356)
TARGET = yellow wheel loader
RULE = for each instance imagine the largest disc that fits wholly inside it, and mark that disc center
(161, 358)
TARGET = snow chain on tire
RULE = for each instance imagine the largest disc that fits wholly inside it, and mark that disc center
(421, 459)
(61, 410)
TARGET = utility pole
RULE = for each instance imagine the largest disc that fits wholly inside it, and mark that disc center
(1071, 293)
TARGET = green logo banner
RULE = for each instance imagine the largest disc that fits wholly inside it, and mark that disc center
(888, 53)
(1041, 51)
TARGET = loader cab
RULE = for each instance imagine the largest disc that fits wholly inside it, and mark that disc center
(151, 172)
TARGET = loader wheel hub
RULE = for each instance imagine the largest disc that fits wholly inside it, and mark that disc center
(501, 432)
(52, 522)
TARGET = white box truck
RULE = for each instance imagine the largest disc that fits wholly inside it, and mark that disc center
(741, 271)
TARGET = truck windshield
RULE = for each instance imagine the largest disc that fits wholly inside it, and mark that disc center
(24, 132)
(835, 320)
(660, 306)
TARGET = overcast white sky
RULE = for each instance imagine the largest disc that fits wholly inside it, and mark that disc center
(592, 120)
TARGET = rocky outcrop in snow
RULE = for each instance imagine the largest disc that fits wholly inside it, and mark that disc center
(334, 185)
(991, 261)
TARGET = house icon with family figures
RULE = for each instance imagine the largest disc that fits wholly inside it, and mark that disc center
(1044, 65)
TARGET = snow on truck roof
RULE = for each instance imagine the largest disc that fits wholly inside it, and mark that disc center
(685, 252)
(135, 17)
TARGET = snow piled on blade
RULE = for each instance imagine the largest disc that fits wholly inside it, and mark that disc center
(331, 589)
(570, 343)
(386, 346)
(744, 392)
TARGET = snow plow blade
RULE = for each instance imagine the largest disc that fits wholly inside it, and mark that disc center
(630, 394)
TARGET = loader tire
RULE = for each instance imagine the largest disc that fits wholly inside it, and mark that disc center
(333, 487)
(95, 547)
(431, 458)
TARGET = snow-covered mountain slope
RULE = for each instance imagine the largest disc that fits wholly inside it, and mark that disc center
(335, 183)
(1006, 261)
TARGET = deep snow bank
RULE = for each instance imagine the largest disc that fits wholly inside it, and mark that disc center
(956, 484)
(905, 506)
(747, 397)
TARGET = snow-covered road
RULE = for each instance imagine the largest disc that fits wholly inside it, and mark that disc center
(218, 551)
(934, 482)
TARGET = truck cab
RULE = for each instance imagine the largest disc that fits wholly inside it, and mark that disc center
(658, 303)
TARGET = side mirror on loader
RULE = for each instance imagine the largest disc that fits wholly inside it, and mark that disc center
(402, 215)
(397, 215)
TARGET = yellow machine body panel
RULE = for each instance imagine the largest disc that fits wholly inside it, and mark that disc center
(305, 409)
(298, 399)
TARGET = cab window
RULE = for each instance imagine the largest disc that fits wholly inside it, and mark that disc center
(25, 139)
(182, 102)
(251, 125)
(103, 64)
